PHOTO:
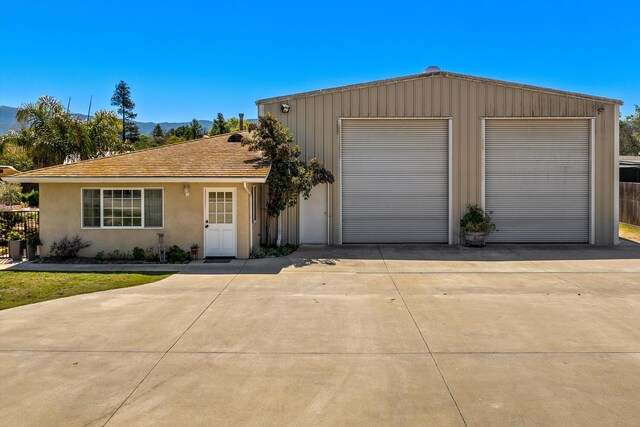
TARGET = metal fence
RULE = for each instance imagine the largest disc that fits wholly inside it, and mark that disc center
(630, 202)
(24, 222)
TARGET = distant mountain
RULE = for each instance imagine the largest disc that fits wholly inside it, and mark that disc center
(8, 122)
(7, 119)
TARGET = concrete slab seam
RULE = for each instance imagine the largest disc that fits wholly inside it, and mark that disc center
(172, 345)
(554, 274)
(435, 362)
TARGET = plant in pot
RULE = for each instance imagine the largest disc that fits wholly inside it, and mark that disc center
(33, 241)
(476, 225)
(194, 250)
(15, 245)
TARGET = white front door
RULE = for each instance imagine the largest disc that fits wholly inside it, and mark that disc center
(220, 222)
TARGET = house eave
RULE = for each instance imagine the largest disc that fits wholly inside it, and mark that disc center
(122, 179)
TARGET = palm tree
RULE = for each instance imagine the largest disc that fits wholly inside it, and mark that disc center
(45, 131)
(103, 136)
(51, 135)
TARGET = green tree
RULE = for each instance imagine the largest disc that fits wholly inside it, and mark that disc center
(16, 157)
(102, 136)
(122, 99)
(233, 124)
(182, 132)
(219, 126)
(290, 176)
(630, 134)
(50, 135)
(157, 134)
(195, 130)
(145, 141)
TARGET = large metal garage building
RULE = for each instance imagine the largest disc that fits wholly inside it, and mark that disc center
(409, 154)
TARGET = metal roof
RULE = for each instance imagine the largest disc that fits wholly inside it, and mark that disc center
(437, 74)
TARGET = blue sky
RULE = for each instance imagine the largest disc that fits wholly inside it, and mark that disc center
(187, 59)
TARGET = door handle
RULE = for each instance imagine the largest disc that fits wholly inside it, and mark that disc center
(206, 226)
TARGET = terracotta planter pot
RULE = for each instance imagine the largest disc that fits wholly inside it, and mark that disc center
(15, 250)
(194, 253)
(475, 238)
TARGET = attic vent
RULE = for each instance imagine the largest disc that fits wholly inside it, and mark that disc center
(431, 69)
(236, 137)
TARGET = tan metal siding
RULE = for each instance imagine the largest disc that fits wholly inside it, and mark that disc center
(466, 101)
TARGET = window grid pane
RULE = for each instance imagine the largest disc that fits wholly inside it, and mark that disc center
(220, 207)
(122, 208)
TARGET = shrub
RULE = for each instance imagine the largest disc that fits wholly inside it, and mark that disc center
(32, 198)
(100, 256)
(476, 220)
(117, 255)
(33, 240)
(66, 248)
(138, 254)
(151, 256)
(177, 254)
(271, 252)
(10, 193)
(14, 235)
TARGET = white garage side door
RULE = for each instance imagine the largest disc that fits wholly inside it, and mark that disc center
(537, 180)
(394, 180)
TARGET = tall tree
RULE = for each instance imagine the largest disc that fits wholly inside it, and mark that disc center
(290, 176)
(630, 134)
(157, 134)
(122, 98)
(195, 130)
(219, 126)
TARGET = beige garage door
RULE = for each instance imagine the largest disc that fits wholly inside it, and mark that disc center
(537, 180)
(394, 180)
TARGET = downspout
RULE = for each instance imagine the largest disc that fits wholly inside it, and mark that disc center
(244, 185)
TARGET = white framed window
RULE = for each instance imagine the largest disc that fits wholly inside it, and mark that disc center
(122, 208)
(254, 203)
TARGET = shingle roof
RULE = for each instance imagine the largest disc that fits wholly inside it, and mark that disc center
(205, 158)
(437, 74)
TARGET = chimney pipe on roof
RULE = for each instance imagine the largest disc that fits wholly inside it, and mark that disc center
(241, 115)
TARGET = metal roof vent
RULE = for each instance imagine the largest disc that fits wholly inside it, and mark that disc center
(236, 137)
(431, 69)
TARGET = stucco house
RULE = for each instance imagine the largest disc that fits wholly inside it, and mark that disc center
(203, 191)
(408, 154)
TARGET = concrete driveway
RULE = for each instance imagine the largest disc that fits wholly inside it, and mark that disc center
(358, 335)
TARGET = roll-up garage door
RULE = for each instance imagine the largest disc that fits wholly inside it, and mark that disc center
(394, 180)
(537, 180)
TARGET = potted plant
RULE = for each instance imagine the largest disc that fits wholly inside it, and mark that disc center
(476, 225)
(194, 250)
(33, 241)
(15, 245)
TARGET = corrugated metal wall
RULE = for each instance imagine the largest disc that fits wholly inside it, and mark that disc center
(313, 122)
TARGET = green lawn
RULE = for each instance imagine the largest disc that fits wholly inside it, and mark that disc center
(630, 232)
(21, 287)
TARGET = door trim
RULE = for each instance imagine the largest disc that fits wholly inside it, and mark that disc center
(205, 201)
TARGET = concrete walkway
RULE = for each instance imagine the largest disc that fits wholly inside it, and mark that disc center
(357, 335)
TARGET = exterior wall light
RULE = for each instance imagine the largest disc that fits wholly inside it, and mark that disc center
(285, 108)
(187, 190)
